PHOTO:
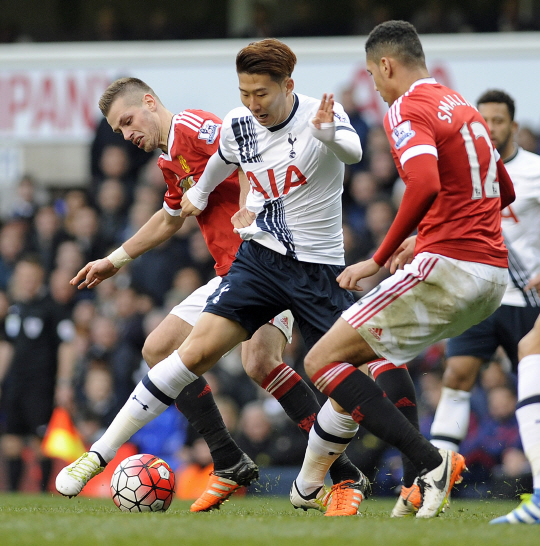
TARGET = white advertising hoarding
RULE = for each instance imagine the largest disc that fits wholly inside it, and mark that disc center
(50, 91)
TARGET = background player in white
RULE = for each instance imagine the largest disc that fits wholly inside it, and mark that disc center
(455, 188)
(187, 140)
(521, 303)
(244, 302)
(528, 415)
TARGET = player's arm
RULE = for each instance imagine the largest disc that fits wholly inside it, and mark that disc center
(506, 187)
(345, 144)
(196, 198)
(244, 217)
(423, 186)
(158, 229)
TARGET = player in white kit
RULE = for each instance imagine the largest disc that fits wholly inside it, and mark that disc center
(267, 273)
(521, 303)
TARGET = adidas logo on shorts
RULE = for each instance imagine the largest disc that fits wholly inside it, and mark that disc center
(376, 333)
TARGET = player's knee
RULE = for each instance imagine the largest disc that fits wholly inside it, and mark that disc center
(258, 365)
(529, 345)
(461, 378)
(12, 445)
(150, 353)
(312, 364)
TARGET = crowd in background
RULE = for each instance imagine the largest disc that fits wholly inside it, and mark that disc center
(105, 20)
(99, 356)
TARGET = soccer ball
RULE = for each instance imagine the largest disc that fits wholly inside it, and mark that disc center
(142, 483)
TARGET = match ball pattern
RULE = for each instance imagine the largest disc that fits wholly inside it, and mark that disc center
(142, 483)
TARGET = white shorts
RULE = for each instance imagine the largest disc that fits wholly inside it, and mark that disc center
(433, 298)
(191, 307)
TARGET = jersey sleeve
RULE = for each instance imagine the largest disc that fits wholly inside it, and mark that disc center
(341, 119)
(228, 148)
(409, 133)
(202, 130)
(173, 195)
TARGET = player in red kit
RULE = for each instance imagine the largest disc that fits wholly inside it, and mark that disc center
(456, 186)
(187, 141)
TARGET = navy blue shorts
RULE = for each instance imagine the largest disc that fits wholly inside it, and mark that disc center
(505, 327)
(262, 283)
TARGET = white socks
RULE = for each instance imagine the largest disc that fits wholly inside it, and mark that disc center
(528, 412)
(151, 397)
(328, 438)
(451, 421)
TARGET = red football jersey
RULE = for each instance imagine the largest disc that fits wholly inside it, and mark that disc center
(464, 221)
(193, 138)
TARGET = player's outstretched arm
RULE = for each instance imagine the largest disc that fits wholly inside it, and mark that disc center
(93, 273)
(158, 229)
(350, 276)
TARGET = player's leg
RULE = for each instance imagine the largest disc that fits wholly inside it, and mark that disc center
(262, 357)
(398, 386)
(400, 318)
(465, 355)
(232, 467)
(528, 415)
(331, 364)
(211, 337)
(12, 447)
(451, 421)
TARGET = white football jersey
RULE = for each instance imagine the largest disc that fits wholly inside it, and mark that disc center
(296, 181)
(521, 228)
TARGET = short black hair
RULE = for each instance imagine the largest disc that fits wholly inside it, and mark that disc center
(397, 39)
(499, 96)
(269, 56)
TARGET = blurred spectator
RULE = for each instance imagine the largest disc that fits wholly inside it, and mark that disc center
(192, 476)
(261, 22)
(121, 357)
(111, 203)
(160, 26)
(362, 191)
(85, 229)
(527, 139)
(383, 169)
(69, 206)
(185, 282)
(366, 14)
(11, 246)
(266, 445)
(69, 257)
(357, 121)
(45, 236)
(437, 17)
(496, 432)
(35, 326)
(97, 404)
(113, 157)
(108, 26)
(27, 200)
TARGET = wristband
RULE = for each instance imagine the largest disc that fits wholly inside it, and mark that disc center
(119, 257)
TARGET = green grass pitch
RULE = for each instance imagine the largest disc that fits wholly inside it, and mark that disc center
(37, 520)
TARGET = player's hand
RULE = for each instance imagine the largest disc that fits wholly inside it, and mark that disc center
(325, 114)
(93, 273)
(350, 276)
(188, 209)
(403, 255)
(243, 218)
(534, 282)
